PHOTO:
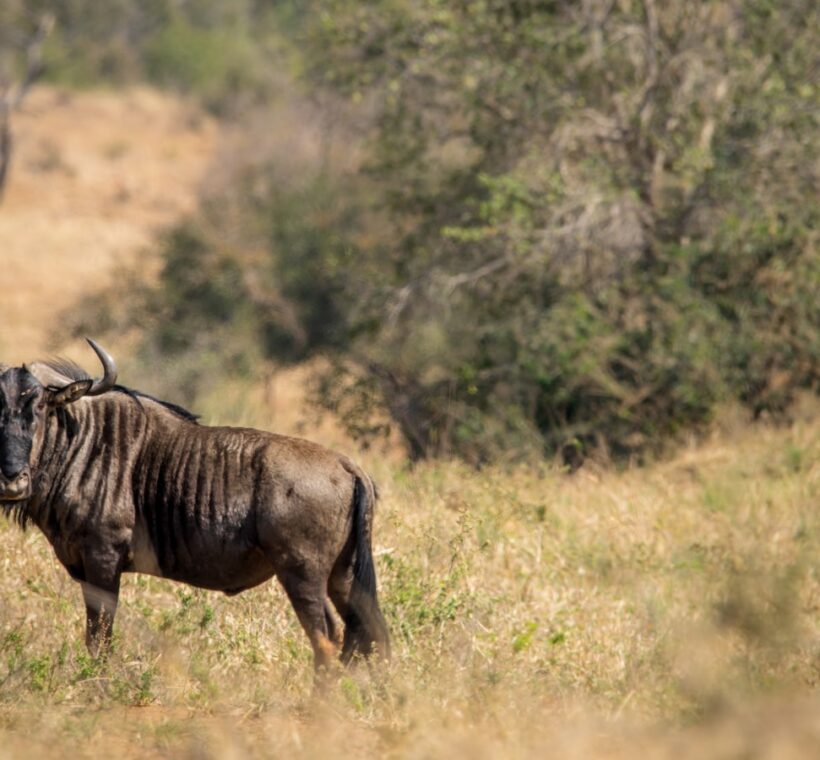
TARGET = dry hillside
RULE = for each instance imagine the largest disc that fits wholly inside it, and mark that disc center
(94, 175)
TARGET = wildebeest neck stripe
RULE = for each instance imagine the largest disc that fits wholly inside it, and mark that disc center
(120, 482)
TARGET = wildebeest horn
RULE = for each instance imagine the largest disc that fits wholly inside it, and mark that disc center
(106, 382)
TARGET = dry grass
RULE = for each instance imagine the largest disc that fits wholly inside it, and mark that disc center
(669, 610)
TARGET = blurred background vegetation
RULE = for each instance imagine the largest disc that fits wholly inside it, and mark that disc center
(504, 230)
(520, 227)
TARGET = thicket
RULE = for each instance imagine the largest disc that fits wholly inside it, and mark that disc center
(575, 226)
(220, 51)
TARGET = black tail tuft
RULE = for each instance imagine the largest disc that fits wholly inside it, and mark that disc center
(365, 628)
(364, 571)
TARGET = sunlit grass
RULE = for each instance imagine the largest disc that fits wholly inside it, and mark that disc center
(672, 609)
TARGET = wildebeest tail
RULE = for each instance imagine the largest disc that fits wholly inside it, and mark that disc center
(365, 628)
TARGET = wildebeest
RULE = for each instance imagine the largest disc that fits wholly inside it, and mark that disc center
(120, 482)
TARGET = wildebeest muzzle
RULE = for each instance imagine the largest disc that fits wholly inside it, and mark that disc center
(16, 488)
(15, 473)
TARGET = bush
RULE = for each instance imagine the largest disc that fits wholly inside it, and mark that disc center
(212, 63)
(572, 230)
(274, 286)
(217, 50)
(601, 227)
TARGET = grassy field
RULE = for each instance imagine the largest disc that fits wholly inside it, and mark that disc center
(670, 610)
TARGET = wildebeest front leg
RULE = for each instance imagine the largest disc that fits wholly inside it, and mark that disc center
(101, 593)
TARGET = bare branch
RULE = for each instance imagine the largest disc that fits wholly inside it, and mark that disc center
(5, 148)
(34, 59)
(399, 304)
(644, 109)
(467, 278)
(12, 95)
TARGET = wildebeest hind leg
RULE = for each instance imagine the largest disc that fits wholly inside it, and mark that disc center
(365, 631)
(309, 599)
(334, 630)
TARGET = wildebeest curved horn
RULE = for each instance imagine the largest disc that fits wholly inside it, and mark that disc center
(106, 382)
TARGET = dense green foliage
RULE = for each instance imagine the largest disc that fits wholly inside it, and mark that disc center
(218, 50)
(575, 227)
(606, 212)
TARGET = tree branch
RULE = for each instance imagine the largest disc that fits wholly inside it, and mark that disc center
(13, 95)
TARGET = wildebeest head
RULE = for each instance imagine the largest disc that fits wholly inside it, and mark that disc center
(25, 402)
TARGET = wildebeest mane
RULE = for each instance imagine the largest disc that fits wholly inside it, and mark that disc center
(73, 372)
(178, 410)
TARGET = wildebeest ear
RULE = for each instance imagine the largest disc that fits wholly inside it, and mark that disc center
(69, 393)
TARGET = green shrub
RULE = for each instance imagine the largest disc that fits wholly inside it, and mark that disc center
(216, 50)
(212, 63)
(569, 231)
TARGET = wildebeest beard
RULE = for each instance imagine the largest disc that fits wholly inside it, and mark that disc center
(120, 482)
(16, 511)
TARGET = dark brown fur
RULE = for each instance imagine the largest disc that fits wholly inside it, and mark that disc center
(124, 483)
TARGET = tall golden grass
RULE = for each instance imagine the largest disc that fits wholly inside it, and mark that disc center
(670, 610)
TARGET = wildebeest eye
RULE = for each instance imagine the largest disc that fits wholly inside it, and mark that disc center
(27, 405)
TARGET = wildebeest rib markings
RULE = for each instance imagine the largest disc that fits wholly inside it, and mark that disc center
(119, 481)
